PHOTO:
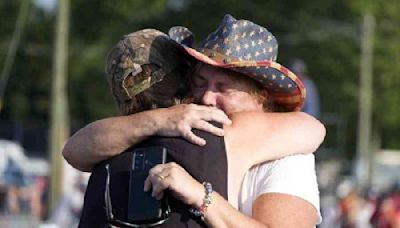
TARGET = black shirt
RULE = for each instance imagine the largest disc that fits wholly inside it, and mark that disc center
(204, 163)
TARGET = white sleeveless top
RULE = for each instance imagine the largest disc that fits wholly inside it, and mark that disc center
(294, 175)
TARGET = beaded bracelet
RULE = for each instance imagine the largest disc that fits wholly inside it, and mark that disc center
(200, 212)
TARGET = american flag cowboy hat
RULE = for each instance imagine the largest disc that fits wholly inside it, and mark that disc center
(250, 49)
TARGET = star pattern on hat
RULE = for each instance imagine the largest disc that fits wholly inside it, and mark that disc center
(248, 48)
(249, 41)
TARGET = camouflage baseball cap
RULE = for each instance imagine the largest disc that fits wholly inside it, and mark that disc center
(139, 60)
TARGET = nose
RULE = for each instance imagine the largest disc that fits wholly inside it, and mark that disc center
(209, 98)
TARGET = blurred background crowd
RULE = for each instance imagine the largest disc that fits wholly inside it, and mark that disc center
(52, 83)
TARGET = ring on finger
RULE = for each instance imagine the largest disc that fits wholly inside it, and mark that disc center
(160, 176)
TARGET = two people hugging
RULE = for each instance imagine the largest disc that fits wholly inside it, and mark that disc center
(241, 152)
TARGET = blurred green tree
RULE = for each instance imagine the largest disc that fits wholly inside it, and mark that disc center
(325, 34)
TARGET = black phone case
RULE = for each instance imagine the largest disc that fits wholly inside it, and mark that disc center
(142, 207)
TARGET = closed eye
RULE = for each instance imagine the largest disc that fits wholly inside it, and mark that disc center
(199, 82)
(223, 87)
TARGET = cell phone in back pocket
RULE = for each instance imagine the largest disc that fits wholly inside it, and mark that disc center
(142, 207)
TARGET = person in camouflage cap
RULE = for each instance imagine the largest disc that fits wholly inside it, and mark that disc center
(136, 65)
(146, 71)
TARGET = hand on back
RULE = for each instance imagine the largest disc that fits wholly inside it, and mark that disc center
(179, 120)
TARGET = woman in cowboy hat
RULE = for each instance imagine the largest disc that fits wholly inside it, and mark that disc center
(238, 72)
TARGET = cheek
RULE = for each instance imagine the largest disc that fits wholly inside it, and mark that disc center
(240, 102)
(230, 103)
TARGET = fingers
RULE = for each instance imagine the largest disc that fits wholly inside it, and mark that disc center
(214, 114)
(208, 113)
(156, 169)
(191, 137)
(159, 187)
(203, 125)
(147, 184)
(206, 126)
(159, 179)
(186, 132)
(198, 116)
(181, 119)
(179, 183)
(152, 172)
(159, 196)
